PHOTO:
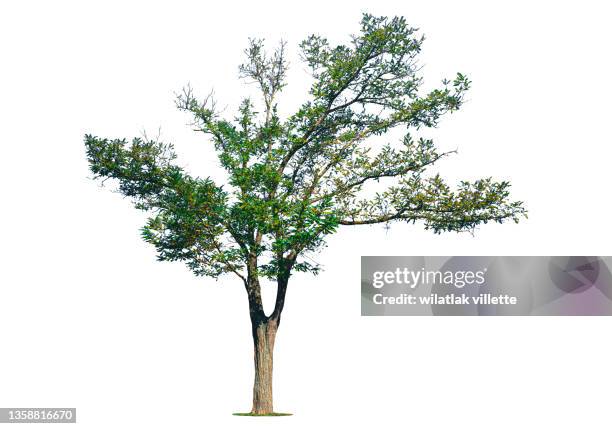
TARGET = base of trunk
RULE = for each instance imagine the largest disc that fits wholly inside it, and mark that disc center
(262, 415)
(263, 336)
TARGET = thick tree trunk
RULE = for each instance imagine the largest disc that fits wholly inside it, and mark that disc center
(264, 333)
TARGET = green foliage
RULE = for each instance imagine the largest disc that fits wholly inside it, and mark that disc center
(295, 180)
(188, 213)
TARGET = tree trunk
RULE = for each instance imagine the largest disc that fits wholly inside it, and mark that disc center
(264, 333)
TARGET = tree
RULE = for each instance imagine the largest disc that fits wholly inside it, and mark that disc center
(293, 181)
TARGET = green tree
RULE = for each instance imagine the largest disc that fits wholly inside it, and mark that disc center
(293, 181)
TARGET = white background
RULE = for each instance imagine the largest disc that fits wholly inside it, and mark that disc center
(89, 319)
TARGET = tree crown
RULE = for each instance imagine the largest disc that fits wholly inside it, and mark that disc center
(293, 181)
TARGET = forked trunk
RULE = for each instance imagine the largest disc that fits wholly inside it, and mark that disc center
(264, 333)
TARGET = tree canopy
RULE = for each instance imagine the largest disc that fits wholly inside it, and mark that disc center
(293, 181)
